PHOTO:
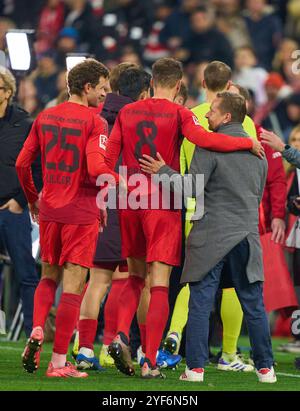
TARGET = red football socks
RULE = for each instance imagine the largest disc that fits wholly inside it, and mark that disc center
(142, 328)
(66, 319)
(87, 333)
(129, 302)
(43, 300)
(156, 321)
(111, 310)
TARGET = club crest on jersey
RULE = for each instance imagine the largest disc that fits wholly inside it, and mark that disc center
(196, 121)
(102, 141)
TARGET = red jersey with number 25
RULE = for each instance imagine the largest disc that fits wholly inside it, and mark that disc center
(65, 135)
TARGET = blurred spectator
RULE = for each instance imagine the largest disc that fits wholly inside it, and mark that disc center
(290, 76)
(276, 91)
(61, 81)
(177, 29)
(61, 98)
(138, 17)
(248, 74)
(50, 23)
(45, 78)
(205, 42)
(67, 42)
(293, 114)
(5, 25)
(154, 49)
(292, 28)
(15, 226)
(130, 56)
(98, 8)
(196, 90)
(25, 13)
(80, 16)
(265, 30)
(230, 22)
(284, 54)
(27, 97)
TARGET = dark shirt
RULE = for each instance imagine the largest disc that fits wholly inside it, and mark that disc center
(265, 36)
(209, 45)
(14, 129)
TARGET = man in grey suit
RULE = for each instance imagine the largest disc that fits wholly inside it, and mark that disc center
(227, 233)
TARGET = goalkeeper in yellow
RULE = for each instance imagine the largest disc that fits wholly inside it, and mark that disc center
(217, 78)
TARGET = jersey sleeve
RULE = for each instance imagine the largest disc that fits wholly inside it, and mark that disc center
(95, 150)
(196, 134)
(114, 145)
(26, 157)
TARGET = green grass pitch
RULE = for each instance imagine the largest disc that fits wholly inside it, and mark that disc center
(13, 378)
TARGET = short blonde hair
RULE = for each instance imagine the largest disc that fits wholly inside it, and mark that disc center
(9, 82)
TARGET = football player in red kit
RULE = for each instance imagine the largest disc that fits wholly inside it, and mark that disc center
(71, 140)
(153, 236)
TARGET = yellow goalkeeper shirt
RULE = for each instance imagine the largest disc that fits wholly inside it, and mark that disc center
(187, 152)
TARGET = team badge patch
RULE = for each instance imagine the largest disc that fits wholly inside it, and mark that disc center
(102, 141)
(196, 121)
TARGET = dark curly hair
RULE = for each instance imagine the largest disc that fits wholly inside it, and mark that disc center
(89, 71)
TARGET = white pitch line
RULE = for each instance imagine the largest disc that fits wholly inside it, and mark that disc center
(283, 374)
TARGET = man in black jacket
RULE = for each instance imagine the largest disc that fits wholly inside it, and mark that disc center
(15, 226)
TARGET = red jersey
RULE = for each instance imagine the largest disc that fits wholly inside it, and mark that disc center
(66, 135)
(275, 192)
(97, 110)
(158, 125)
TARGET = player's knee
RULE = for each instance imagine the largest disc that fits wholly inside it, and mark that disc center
(75, 287)
(51, 272)
(74, 278)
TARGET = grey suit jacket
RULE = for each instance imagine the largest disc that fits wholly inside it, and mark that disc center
(233, 188)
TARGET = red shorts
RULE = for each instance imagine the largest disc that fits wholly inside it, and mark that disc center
(68, 243)
(154, 234)
(112, 265)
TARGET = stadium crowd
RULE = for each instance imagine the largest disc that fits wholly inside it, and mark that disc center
(256, 39)
(248, 48)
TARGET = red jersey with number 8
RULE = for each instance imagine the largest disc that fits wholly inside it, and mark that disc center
(158, 125)
(65, 134)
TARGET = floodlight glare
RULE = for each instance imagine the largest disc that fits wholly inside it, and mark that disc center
(19, 49)
(73, 60)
